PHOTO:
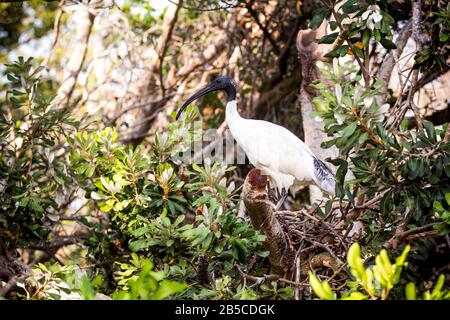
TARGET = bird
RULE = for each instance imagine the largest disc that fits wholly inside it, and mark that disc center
(277, 152)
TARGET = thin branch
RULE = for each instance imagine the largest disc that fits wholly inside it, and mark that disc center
(411, 102)
(56, 28)
(58, 243)
(358, 60)
(417, 24)
(228, 6)
(161, 101)
(266, 33)
(78, 55)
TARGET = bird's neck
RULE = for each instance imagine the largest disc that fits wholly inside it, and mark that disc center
(231, 113)
(232, 116)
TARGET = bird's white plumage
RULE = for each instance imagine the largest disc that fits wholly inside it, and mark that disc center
(279, 153)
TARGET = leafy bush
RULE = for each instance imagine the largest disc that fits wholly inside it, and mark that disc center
(144, 205)
(69, 282)
(377, 280)
(34, 179)
(155, 228)
(391, 176)
(146, 202)
(408, 169)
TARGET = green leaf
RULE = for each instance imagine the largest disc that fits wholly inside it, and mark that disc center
(86, 289)
(404, 125)
(97, 196)
(358, 52)
(366, 37)
(377, 35)
(362, 138)
(318, 16)
(431, 132)
(329, 38)
(386, 204)
(443, 37)
(343, 50)
(356, 296)
(323, 292)
(58, 179)
(350, 6)
(410, 291)
(348, 131)
(437, 288)
(333, 53)
(141, 244)
(388, 44)
(353, 254)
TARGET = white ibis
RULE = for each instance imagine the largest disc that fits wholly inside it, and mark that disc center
(273, 149)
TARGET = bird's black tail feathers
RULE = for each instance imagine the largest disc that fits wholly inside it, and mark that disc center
(326, 179)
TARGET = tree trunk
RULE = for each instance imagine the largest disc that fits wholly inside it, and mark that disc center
(309, 53)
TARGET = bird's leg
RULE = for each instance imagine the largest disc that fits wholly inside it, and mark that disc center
(283, 197)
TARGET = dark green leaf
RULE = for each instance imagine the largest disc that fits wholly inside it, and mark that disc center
(388, 44)
(366, 37)
(343, 50)
(431, 132)
(318, 16)
(341, 172)
(329, 38)
(333, 53)
(350, 6)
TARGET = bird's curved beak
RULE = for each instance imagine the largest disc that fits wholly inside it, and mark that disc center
(209, 88)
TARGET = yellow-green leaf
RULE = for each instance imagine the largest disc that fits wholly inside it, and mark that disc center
(410, 291)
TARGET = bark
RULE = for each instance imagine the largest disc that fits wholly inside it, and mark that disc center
(417, 24)
(260, 210)
(78, 55)
(309, 53)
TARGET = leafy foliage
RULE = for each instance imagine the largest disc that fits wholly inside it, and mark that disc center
(376, 280)
(146, 201)
(356, 22)
(435, 51)
(392, 177)
(68, 282)
(142, 196)
(408, 169)
(155, 228)
(34, 182)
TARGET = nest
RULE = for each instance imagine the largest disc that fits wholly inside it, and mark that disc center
(298, 241)
(318, 246)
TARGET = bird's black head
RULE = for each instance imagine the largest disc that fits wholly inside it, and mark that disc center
(223, 83)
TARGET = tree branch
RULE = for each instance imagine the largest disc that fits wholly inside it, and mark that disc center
(266, 33)
(77, 57)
